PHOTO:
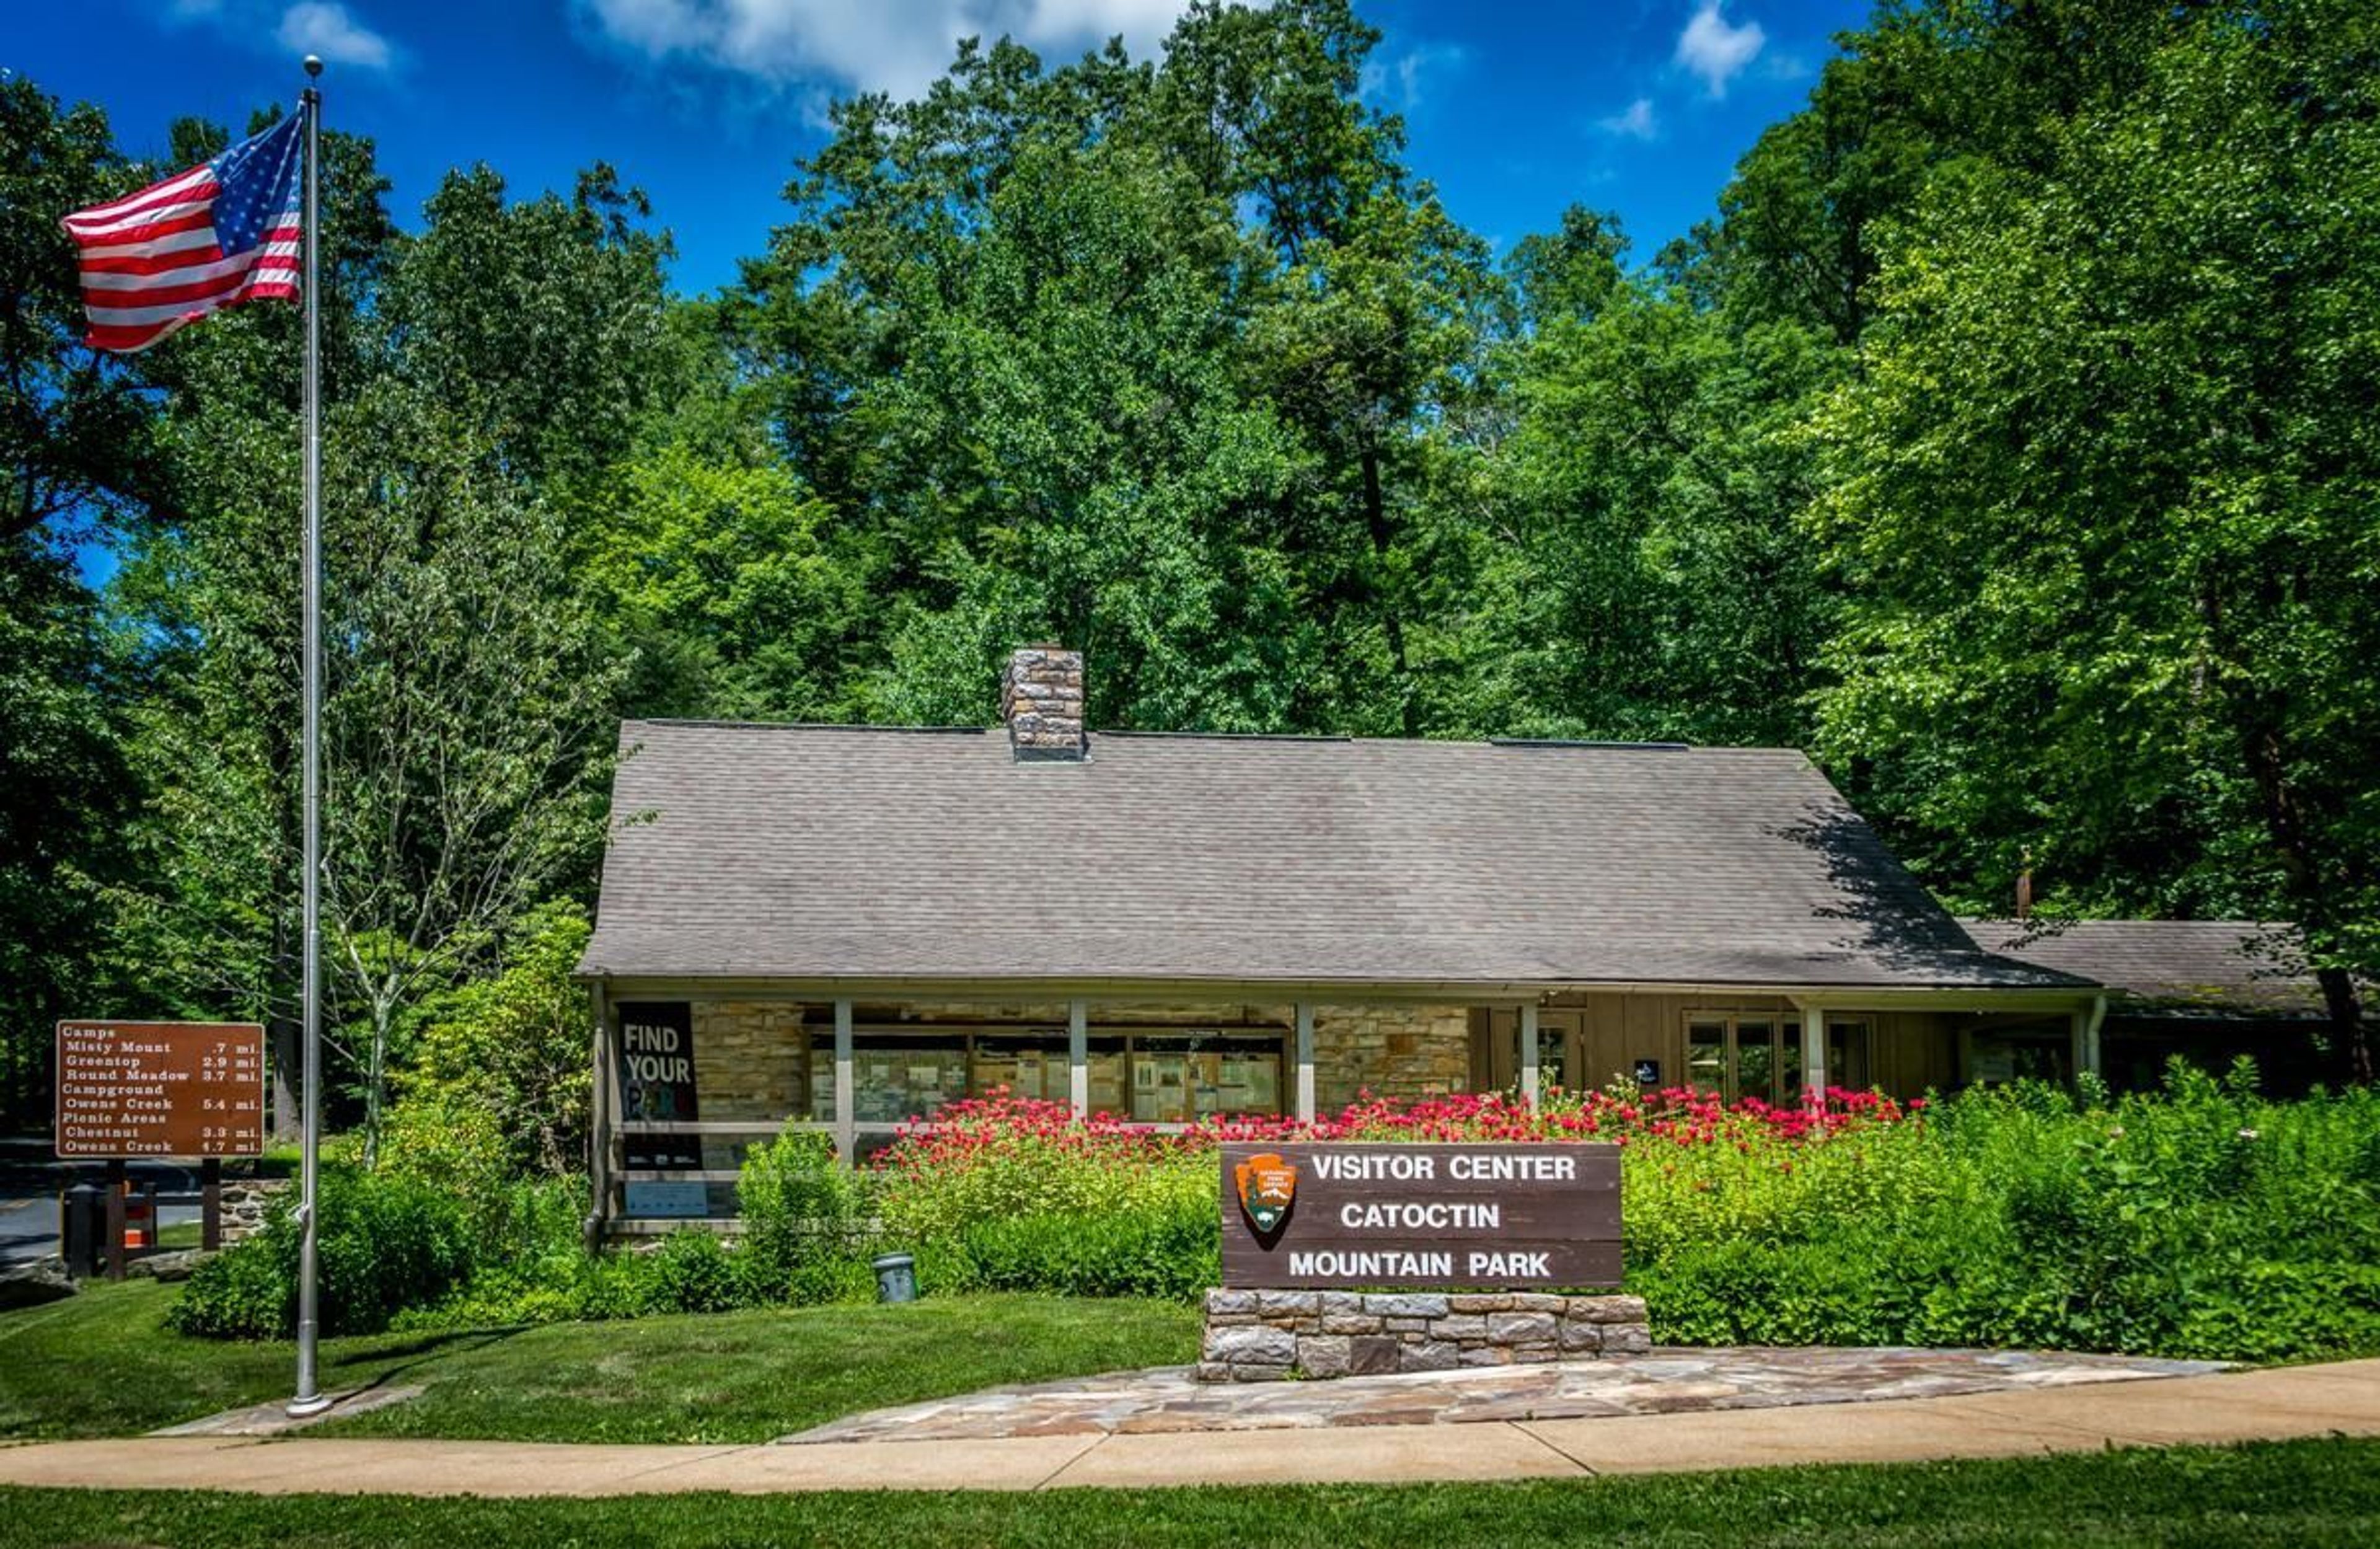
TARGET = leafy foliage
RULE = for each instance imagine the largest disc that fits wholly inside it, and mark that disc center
(2001, 438)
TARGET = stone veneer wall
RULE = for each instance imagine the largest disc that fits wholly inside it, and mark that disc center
(1390, 1051)
(1267, 1335)
(750, 1059)
(244, 1204)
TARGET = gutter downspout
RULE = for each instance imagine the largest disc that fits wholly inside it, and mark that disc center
(598, 1126)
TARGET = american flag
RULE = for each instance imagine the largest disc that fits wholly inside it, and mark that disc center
(224, 232)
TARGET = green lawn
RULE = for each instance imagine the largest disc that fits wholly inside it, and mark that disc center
(102, 1364)
(2324, 1492)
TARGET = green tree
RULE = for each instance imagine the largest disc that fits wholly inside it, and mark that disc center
(726, 583)
(1649, 578)
(500, 1077)
(2102, 495)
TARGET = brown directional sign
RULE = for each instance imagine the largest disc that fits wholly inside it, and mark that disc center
(1491, 1216)
(160, 1089)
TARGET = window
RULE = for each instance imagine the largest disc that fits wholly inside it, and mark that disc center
(894, 1076)
(1707, 1055)
(1028, 1064)
(1553, 1057)
(1747, 1055)
(1180, 1077)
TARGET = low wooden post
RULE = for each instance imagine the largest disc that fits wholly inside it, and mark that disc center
(115, 1185)
(211, 1204)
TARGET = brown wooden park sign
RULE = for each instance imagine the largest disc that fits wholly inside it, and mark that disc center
(1452, 1215)
(160, 1089)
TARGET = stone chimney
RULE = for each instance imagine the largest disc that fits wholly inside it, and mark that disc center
(1042, 699)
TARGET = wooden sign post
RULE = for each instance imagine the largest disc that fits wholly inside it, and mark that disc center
(133, 1090)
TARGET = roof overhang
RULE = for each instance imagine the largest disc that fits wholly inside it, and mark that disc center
(1466, 992)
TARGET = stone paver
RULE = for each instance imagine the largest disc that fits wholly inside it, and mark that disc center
(1168, 1399)
(274, 1419)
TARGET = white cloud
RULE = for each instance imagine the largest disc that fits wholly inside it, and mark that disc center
(899, 46)
(320, 27)
(329, 30)
(1715, 51)
(1400, 84)
(1633, 122)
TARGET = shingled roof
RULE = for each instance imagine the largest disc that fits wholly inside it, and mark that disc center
(2227, 966)
(839, 852)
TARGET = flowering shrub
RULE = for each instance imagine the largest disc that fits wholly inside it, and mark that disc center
(2198, 1221)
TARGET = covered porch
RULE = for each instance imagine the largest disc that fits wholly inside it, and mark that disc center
(690, 1073)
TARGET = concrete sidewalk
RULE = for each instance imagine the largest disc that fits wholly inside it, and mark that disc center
(2233, 1406)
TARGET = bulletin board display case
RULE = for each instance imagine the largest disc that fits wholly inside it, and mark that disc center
(1154, 1076)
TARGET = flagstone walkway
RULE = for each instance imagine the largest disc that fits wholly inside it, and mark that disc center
(1667, 1381)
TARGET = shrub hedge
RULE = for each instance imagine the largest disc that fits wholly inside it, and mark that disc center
(2197, 1221)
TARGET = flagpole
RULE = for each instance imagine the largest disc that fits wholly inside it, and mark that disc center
(310, 1399)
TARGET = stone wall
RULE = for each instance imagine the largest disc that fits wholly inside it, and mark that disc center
(751, 1059)
(1267, 1335)
(243, 1202)
(1390, 1051)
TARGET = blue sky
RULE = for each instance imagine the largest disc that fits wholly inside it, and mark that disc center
(1514, 110)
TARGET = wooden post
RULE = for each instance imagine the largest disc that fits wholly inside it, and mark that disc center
(1078, 1058)
(1529, 1056)
(211, 1204)
(1813, 1057)
(846, 1126)
(1305, 1061)
(116, 1183)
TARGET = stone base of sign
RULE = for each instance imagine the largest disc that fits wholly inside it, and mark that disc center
(1267, 1335)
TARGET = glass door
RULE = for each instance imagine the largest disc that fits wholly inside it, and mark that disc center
(1741, 1057)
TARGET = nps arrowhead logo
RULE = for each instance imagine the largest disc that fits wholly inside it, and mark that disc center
(1267, 1188)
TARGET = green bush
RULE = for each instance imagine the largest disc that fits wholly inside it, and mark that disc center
(385, 1243)
(1172, 1254)
(2199, 1221)
(802, 1212)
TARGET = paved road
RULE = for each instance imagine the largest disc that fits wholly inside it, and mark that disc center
(29, 1186)
(2270, 1405)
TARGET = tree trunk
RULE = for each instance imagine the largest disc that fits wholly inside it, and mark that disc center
(1375, 522)
(2286, 824)
(375, 1076)
(2351, 1044)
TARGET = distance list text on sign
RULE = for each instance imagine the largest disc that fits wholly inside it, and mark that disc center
(1487, 1215)
(160, 1088)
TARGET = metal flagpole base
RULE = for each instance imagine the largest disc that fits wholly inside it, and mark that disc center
(307, 1409)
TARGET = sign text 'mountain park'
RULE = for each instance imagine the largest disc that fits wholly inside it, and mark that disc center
(1450, 1215)
(160, 1089)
